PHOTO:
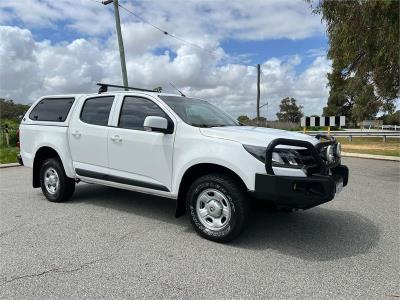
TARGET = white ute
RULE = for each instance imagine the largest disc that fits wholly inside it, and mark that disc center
(176, 147)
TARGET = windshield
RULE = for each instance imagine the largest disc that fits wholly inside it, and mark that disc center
(198, 113)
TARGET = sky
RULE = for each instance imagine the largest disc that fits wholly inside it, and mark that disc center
(66, 46)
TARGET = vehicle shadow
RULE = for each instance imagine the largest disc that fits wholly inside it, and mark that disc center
(318, 234)
(159, 208)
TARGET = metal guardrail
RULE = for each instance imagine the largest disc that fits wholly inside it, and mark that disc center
(384, 134)
(377, 133)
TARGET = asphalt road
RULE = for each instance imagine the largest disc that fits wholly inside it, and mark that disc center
(112, 243)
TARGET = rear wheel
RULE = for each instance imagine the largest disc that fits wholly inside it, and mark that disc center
(218, 207)
(55, 184)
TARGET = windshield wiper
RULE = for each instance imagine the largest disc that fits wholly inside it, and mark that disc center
(224, 125)
(211, 125)
(201, 125)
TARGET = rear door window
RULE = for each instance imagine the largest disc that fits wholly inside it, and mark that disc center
(96, 110)
(54, 109)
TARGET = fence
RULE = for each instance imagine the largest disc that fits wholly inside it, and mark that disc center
(390, 127)
(273, 124)
(12, 138)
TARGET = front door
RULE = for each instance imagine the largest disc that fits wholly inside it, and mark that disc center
(138, 157)
(88, 135)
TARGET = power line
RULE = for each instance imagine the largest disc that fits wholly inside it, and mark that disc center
(164, 31)
(144, 20)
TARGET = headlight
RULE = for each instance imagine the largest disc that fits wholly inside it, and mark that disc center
(277, 159)
(257, 151)
(287, 158)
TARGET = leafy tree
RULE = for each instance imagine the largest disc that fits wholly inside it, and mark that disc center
(355, 99)
(391, 119)
(289, 111)
(341, 97)
(11, 110)
(364, 48)
(243, 119)
(261, 121)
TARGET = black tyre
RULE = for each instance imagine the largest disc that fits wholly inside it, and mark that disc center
(218, 207)
(56, 186)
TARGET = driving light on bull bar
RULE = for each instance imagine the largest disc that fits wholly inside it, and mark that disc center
(329, 154)
(339, 150)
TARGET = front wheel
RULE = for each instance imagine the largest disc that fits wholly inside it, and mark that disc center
(218, 207)
(55, 184)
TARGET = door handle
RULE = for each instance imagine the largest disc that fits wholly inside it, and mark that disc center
(116, 138)
(76, 133)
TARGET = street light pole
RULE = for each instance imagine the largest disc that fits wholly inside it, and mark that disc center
(120, 40)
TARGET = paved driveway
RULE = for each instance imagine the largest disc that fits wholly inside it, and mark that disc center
(112, 243)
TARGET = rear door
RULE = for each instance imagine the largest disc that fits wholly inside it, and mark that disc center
(88, 135)
(138, 157)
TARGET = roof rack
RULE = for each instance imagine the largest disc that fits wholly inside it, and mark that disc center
(104, 87)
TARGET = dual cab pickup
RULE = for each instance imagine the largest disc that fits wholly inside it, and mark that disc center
(176, 147)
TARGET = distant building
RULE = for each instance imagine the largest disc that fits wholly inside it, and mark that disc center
(368, 124)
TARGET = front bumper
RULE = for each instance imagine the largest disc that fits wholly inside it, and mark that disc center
(300, 192)
(320, 185)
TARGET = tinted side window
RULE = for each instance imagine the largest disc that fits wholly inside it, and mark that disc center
(55, 110)
(97, 110)
(134, 110)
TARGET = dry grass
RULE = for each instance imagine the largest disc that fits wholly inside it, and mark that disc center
(371, 145)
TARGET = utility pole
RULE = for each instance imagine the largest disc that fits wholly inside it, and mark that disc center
(120, 41)
(258, 92)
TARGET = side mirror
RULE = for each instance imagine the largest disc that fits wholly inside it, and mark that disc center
(158, 124)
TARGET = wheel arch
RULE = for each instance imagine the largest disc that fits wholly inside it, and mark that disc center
(43, 153)
(196, 171)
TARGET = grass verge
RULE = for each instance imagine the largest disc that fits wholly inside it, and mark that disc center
(371, 145)
(8, 155)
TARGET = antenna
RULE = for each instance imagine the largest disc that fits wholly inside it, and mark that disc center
(182, 94)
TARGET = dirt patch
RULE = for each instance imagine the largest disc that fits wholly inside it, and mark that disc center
(390, 147)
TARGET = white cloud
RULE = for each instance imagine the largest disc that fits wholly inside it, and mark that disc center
(82, 15)
(18, 67)
(193, 20)
(29, 69)
(247, 20)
